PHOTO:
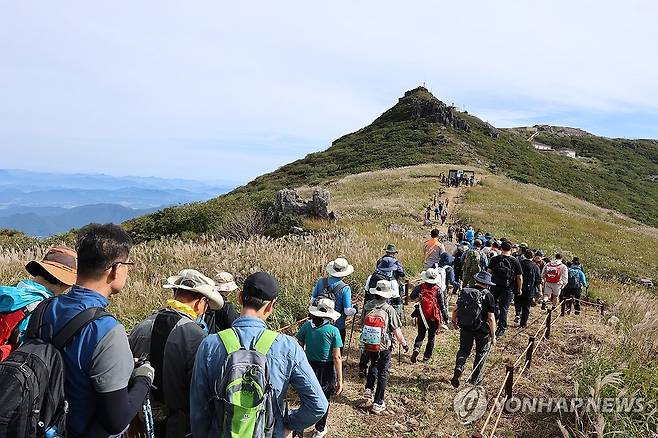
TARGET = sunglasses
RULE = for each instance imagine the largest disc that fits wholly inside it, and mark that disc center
(115, 264)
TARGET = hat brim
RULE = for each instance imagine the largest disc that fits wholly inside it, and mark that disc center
(66, 276)
(333, 315)
(425, 279)
(226, 287)
(374, 291)
(339, 274)
(395, 251)
(488, 283)
(215, 299)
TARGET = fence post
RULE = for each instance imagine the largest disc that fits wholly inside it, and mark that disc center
(476, 435)
(602, 308)
(549, 317)
(509, 385)
(563, 307)
(528, 354)
(406, 292)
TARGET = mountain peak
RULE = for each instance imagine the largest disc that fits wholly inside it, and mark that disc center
(420, 104)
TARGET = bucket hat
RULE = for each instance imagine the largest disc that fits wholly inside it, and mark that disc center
(484, 277)
(430, 276)
(225, 282)
(390, 248)
(339, 268)
(383, 289)
(59, 261)
(386, 264)
(194, 281)
(324, 309)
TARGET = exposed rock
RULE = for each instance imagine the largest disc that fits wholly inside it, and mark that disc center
(297, 230)
(613, 321)
(289, 202)
(395, 228)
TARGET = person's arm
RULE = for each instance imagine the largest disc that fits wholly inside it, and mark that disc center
(415, 293)
(201, 391)
(313, 403)
(116, 409)
(491, 318)
(519, 284)
(338, 362)
(348, 310)
(301, 334)
(455, 319)
(583, 279)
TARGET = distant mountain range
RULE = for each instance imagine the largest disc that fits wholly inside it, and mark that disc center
(42, 204)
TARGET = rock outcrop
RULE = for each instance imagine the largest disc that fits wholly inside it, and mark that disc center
(289, 203)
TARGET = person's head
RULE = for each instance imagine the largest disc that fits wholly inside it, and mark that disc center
(323, 311)
(568, 264)
(558, 256)
(576, 260)
(495, 245)
(528, 254)
(225, 282)
(259, 293)
(56, 271)
(103, 257)
(483, 280)
(477, 243)
(195, 290)
(434, 233)
(539, 255)
(506, 247)
(391, 250)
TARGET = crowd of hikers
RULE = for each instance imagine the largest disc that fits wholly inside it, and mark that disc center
(199, 367)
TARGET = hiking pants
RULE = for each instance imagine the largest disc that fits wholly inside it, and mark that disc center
(568, 293)
(524, 301)
(378, 372)
(342, 337)
(466, 340)
(503, 301)
(422, 330)
(326, 374)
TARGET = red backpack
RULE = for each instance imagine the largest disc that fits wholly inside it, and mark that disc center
(9, 331)
(428, 301)
(374, 335)
(553, 273)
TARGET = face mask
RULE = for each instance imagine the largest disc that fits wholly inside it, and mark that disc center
(202, 323)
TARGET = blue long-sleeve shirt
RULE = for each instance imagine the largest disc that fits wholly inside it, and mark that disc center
(287, 365)
(343, 298)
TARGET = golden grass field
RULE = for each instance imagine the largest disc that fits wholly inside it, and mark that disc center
(616, 251)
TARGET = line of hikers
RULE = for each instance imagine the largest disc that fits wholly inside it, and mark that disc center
(173, 379)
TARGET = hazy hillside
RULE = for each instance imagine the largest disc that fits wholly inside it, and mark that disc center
(421, 129)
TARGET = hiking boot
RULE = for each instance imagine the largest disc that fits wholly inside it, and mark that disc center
(362, 374)
(319, 434)
(517, 319)
(367, 394)
(414, 356)
(455, 379)
(426, 359)
(378, 409)
(444, 327)
(543, 305)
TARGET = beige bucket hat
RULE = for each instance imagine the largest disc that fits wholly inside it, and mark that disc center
(325, 308)
(430, 276)
(339, 268)
(225, 282)
(194, 281)
(383, 289)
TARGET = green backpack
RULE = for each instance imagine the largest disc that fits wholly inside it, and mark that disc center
(244, 397)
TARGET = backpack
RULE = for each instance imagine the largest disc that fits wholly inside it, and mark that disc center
(428, 301)
(330, 292)
(574, 279)
(469, 308)
(162, 326)
(472, 261)
(32, 400)
(9, 333)
(244, 397)
(504, 273)
(553, 272)
(374, 335)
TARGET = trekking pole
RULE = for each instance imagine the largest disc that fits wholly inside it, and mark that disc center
(349, 343)
(399, 354)
(148, 418)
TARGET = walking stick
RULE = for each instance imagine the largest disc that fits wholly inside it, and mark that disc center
(349, 346)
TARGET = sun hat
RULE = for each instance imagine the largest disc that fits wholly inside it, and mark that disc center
(383, 289)
(59, 261)
(225, 282)
(391, 248)
(195, 281)
(430, 276)
(484, 277)
(324, 309)
(523, 245)
(339, 268)
(386, 264)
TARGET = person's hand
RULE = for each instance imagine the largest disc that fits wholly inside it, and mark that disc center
(287, 433)
(339, 387)
(493, 341)
(144, 369)
(405, 347)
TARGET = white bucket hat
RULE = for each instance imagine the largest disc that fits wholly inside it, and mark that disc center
(339, 268)
(430, 276)
(383, 289)
(225, 282)
(325, 308)
(194, 281)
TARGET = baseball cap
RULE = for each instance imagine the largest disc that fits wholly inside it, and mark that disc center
(506, 246)
(261, 285)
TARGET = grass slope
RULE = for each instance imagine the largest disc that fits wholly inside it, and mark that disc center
(421, 129)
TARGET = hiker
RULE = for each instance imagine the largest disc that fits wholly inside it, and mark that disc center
(507, 275)
(433, 248)
(460, 234)
(334, 287)
(470, 235)
(474, 261)
(381, 328)
(323, 346)
(437, 212)
(390, 256)
(458, 263)
(475, 318)
(221, 362)
(51, 276)
(427, 311)
(556, 276)
(218, 320)
(539, 261)
(575, 262)
(428, 212)
(444, 215)
(169, 338)
(451, 233)
(103, 386)
(531, 281)
(576, 280)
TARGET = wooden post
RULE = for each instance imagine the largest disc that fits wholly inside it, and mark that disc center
(509, 384)
(476, 435)
(528, 354)
(406, 292)
(602, 308)
(563, 307)
(547, 335)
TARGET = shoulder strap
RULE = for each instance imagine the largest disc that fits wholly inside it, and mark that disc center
(265, 341)
(80, 320)
(339, 286)
(36, 320)
(230, 340)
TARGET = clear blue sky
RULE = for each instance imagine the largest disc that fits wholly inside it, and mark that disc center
(228, 90)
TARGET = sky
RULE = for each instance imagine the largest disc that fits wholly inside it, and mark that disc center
(225, 91)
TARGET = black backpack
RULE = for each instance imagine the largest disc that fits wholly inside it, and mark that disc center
(32, 378)
(162, 327)
(503, 275)
(469, 308)
(330, 292)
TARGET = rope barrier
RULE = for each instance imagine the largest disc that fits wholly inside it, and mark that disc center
(500, 391)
